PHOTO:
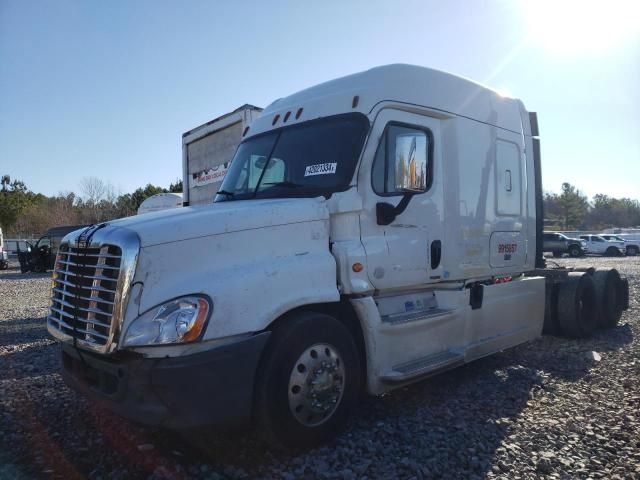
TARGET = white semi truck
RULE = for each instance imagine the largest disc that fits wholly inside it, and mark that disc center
(370, 231)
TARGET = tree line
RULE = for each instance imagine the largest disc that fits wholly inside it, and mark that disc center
(25, 213)
(572, 210)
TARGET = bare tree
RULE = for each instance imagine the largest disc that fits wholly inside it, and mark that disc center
(93, 190)
(98, 198)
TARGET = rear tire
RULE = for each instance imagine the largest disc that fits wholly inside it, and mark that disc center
(612, 252)
(624, 293)
(609, 300)
(575, 251)
(309, 381)
(577, 312)
(557, 254)
(550, 325)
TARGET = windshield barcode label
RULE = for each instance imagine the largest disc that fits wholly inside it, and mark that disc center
(320, 169)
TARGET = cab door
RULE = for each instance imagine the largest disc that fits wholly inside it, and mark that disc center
(402, 219)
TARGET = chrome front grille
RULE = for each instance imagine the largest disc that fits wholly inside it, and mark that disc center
(85, 294)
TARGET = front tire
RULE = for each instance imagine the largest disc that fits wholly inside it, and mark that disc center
(612, 252)
(632, 251)
(309, 381)
(575, 251)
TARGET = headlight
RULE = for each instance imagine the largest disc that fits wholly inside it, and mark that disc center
(180, 320)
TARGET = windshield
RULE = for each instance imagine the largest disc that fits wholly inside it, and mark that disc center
(310, 159)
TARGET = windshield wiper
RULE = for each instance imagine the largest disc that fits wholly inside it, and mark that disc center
(224, 192)
(285, 184)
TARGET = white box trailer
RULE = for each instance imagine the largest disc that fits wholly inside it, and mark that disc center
(371, 231)
(207, 151)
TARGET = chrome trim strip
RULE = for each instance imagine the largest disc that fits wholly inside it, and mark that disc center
(73, 251)
(97, 288)
(88, 299)
(83, 320)
(91, 277)
(71, 264)
(83, 309)
(93, 333)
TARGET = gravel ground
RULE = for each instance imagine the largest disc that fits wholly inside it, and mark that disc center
(550, 408)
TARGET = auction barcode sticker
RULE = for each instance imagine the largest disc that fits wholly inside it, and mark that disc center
(320, 169)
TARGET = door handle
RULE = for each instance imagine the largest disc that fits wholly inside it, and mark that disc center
(436, 254)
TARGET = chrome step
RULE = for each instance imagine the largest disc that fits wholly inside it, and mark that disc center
(423, 366)
(406, 317)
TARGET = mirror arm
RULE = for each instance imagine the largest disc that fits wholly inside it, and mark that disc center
(404, 203)
(387, 213)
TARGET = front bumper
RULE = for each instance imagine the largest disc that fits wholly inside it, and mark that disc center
(203, 389)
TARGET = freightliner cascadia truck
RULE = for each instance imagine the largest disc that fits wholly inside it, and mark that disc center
(369, 232)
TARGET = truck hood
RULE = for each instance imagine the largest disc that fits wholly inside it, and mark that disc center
(224, 217)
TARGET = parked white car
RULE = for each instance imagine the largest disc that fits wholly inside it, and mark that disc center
(4, 258)
(632, 245)
(602, 246)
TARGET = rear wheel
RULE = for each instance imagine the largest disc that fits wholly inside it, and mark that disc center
(309, 381)
(577, 313)
(612, 252)
(550, 325)
(575, 251)
(624, 293)
(608, 297)
(557, 254)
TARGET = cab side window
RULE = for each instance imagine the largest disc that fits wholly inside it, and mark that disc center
(403, 161)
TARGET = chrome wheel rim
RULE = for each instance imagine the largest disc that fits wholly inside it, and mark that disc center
(316, 384)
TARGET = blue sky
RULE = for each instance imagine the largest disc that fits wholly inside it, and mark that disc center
(92, 88)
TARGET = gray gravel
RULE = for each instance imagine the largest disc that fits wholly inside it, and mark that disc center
(552, 408)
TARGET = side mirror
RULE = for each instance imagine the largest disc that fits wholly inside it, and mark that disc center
(385, 213)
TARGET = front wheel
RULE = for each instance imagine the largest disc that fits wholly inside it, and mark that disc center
(632, 251)
(612, 252)
(575, 251)
(309, 381)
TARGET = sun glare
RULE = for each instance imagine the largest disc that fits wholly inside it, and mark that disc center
(571, 27)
